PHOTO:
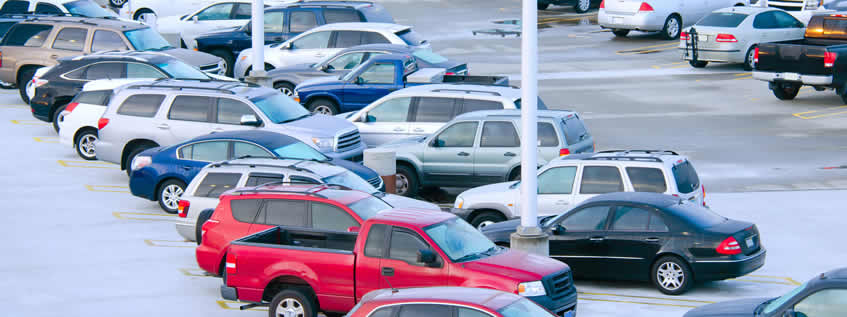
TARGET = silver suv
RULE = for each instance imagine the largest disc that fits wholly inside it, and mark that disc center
(165, 112)
(483, 147)
(202, 194)
(570, 180)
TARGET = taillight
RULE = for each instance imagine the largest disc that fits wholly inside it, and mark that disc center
(71, 106)
(102, 123)
(726, 38)
(449, 73)
(564, 152)
(182, 207)
(38, 82)
(703, 187)
(829, 59)
(603, 4)
(231, 262)
(756, 55)
(207, 226)
(683, 36)
(1, 59)
(645, 7)
(729, 246)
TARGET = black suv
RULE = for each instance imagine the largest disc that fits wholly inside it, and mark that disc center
(286, 21)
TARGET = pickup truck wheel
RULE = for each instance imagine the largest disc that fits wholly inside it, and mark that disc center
(293, 303)
(486, 218)
(323, 106)
(698, 64)
(407, 181)
(620, 32)
(671, 29)
(169, 193)
(785, 92)
(201, 219)
(749, 59)
(285, 88)
(543, 6)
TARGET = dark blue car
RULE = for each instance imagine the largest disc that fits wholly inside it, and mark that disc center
(162, 173)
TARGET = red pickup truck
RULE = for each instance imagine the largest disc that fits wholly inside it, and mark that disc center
(303, 271)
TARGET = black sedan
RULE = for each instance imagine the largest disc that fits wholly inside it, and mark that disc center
(647, 237)
(286, 78)
(825, 295)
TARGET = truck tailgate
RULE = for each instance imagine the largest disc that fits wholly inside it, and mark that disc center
(788, 57)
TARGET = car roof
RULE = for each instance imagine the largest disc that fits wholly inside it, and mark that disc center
(644, 198)
(659, 156)
(840, 274)
(413, 217)
(270, 165)
(343, 196)
(142, 56)
(99, 22)
(463, 90)
(512, 113)
(268, 139)
(245, 90)
(492, 299)
(747, 9)
(394, 48)
(302, 3)
(361, 26)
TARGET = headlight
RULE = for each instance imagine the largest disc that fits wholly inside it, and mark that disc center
(531, 289)
(324, 144)
(459, 202)
(139, 162)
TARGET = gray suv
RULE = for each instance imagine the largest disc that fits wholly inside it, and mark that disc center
(165, 112)
(483, 147)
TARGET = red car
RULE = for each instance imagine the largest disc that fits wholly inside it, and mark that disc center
(244, 212)
(446, 301)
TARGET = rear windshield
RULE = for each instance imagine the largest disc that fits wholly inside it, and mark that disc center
(541, 105)
(280, 108)
(411, 37)
(697, 215)
(4, 27)
(88, 8)
(179, 70)
(686, 177)
(368, 207)
(376, 13)
(94, 97)
(428, 56)
(575, 131)
(722, 19)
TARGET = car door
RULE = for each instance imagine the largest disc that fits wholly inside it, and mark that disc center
(143, 109)
(210, 18)
(385, 122)
(69, 42)
(341, 64)
(555, 190)
(195, 156)
(497, 153)
(228, 113)
(636, 234)
(598, 179)
(827, 302)
(578, 239)
(368, 269)
(431, 113)
(311, 48)
(400, 267)
(374, 82)
(188, 117)
(449, 156)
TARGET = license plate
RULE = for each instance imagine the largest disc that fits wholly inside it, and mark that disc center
(617, 20)
(750, 242)
(703, 38)
(791, 76)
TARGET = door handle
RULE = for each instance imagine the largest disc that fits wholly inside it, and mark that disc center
(652, 239)
(186, 167)
(463, 154)
(319, 55)
(54, 56)
(561, 202)
(509, 154)
(388, 271)
(419, 130)
(597, 239)
(164, 126)
(398, 129)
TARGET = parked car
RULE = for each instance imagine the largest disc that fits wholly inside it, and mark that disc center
(732, 34)
(286, 21)
(41, 41)
(401, 247)
(668, 16)
(821, 296)
(483, 147)
(182, 28)
(580, 6)
(258, 171)
(422, 110)
(85, 8)
(318, 43)
(569, 180)
(165, 112)
(446, 301)
(667, 240)
(373, 79)
(803, 10)
(816, 60)
(286, 78)
(134, 9)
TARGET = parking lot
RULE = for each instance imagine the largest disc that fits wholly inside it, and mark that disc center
(78, 243)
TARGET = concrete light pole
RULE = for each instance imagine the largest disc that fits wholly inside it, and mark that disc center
(257, 32)
(529, 236)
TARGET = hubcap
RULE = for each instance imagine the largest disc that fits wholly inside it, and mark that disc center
(86, 145)
(584, 4)
(670, 276)
(484, 224)
(290, 307)
(673, 27)
(287, 91)
(402, 184)
(118, 2)
(750, 57)
(30, 90)
(322, 109)
(170, 196)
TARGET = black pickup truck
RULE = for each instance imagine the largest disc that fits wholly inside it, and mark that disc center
(819, 60)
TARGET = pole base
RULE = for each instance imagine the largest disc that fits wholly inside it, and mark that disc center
(531, 240)
(259, 78)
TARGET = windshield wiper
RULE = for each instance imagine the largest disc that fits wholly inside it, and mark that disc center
(468, 257)
(491, 250)
(761, 307)
(295, 119)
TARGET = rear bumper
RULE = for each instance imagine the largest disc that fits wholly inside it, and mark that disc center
(108, 151)
(710, 270)
(229, 293)
(815, 80)
(642, 21)
(712, 55)
(142, 183)
(186, 230)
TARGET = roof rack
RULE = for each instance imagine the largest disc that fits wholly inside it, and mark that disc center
(258, 189)
(467, 91)
(292, 166)
(625, 158)
(665, 152)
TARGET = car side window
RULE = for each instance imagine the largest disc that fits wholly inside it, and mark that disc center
(823, 303)
(786, 21)
(105, 71)
(303, 180)
(383, 312)
(216, 184)
(392, 110)
(136, 70)
(107, 41)
(312, 41)
(380, 73)
(467, 312)
(241, 149)
(557, 181)
(462, 134)
(284, 212)
(341, 15)
(345, 39)
(499, 134)
(657, 223)
(141, 105)
(375, 246)
(435, 109)
(766, 20)
(29, 35)
(347, 61)
(230, 111)
(587, 219)
(191, 108)
(242, 11)
(374, 38)
(405, 246)
(331, 218)
(256, 179)
(645, 179)
(470, 105)
(46, 8)
(216, 12)
(245, 210)
(70, 39)
(14, 7)
(274, 21)
(425, 310)
(93, 97)
(205, 151)
(302, 21)
(601, 180)
(629, 218)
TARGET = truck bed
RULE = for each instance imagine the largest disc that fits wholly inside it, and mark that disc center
(284, 238)
(804, 56)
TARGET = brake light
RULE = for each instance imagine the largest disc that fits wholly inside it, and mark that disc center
(603, 4)
(564, 152)
(182, 207)
(71, 106)
(683, 36)
(231, 262)
(645, 7)
(726, 38)
(207, 226)
(729, 246)
(756, 55)
(102, 123)
(703, 187)
(829, 59)
(38, 82)
(449, 73)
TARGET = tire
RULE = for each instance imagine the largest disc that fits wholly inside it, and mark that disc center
(24, 79)
(285, 88)
(323, 106)
(201, 219)
(229, 60)
(56, 117)
(135, 152)
(182, 44)
(295, 301)
(676, 276)
(84, 144)
(785, 92)
(673, 24)
(168, 195)
(117, 3)
(486, 218)
(582, 6)
(698, 64)
(543, 6)
(748, 58)
(407, 181)
(620, 32)
(515, 175)
(137, 16)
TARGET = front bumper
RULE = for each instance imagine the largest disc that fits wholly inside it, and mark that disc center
(559, 307)
(814, 80)
(711, 270)
(186, 230)
(642, 21)
(142, 183)
(354, 154)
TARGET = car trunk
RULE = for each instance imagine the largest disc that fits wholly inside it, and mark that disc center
(747, 234)
(628, 7)
(707, 36)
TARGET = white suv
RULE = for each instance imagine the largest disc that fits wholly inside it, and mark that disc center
(201, 196)
(570, 180)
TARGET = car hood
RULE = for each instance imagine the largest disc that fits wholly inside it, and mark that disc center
(315, 126)
(403, 142)
(491, 189)
(398, 201)
(318, 81)
(299, 68)
(193, 58)
(517, 265)
(221, 33)
(735, 308)
(363, 171)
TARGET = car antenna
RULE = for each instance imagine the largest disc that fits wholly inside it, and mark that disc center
(393, 290)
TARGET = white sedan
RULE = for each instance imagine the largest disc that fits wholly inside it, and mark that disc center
(668, 16)
(181, 30)
(731, 35)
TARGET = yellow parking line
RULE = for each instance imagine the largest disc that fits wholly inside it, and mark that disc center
(649, 297)
(29, 122)
(659, 66)
(228, 304)
(143, 216)
(86, 164)
(803, 115)
(49, 139)
(170, 243)
(108, 188)
(791, 280)
(743, 78)
(634, 302)
(743, 74)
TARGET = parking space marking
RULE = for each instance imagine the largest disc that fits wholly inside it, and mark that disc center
(145, 216)
(47, 139)
(86, 164)
(648, 49)
(231, 305)
(815, 114)
(789, 280)
(643, 300)
(108, 188)
(14, 106)
(170, 243)
(669, 65)
(30, 122)
(195, 272)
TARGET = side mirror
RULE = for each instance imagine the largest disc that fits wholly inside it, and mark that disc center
(359, 81)
(370, 118)
(559, 230)
(195, 19)
(248, 28)
(437, 143)
(426, 257)
(251, 120)
(353, 229)
(286, 46)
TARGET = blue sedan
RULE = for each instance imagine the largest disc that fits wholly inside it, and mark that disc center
(162, 173)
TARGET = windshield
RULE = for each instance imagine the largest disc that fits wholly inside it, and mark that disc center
(180, 70)
(774, 304)
(428, 56)
(523, 307)
(280, 108)
(146, 39)
(89, 9)
(411, 37)
(369, 207)
(541, 105)
(723, 19)
(300, 151)
(459, 239)
(350, 180)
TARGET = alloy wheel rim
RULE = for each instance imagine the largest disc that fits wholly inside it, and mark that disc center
(322, 109)
(86, 145)
(750, 58)
(171, 195)
(484, 224)
(670, 276)
(673, 28)
(290, 307)
(30, 90)
(402, 184)
(584, 4)
(118, 2)
(287, 91)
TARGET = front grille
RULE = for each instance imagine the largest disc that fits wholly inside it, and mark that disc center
(376, 182)
(212, 69)
(559, 284)
(347, 141)
(787, 5)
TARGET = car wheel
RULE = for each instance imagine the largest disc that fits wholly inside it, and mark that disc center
(285, 88)
(292, 302)
(407, 181)
(486, 218)
(56, 115)
(139, 13)
(698, 64)
(25, 87)
(515, 175)
(785, 92)
(323, 106)
(169, 193)
(582, 6)
(671, 275)
(672, 26)
(117, 3)
(201, 219)
(229, 60)
(620, 32)
(749, 59)
(543, 6)
(84, 144)
(132, 155)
